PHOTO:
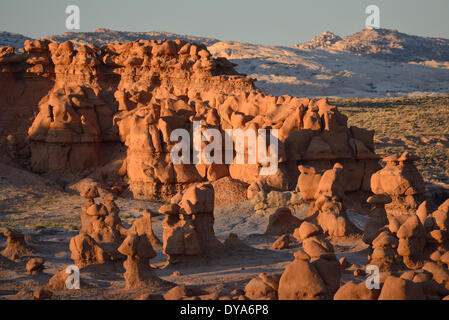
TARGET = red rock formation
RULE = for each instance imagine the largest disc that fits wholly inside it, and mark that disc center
(306, 280)
(35, 265)
(101, 232)
(138, 250)
(89, 98)
(189, 226)
(326, 191)
(356, 291)
(264, 287)
(16, 245)
(143, 226)
(282, 221)
(402, 182)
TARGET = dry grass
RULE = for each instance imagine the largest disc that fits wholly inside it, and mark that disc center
(420, 125)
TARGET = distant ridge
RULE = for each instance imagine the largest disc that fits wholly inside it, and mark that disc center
(103, 36)
(385, 44)
(12, 39)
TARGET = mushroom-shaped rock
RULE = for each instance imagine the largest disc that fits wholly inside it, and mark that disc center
(384, 253)
(139, 251)
(316, 246)
(402, 182)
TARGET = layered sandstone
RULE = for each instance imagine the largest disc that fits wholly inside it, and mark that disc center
(89, 100)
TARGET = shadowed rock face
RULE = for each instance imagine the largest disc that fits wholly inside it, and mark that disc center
(93, 99)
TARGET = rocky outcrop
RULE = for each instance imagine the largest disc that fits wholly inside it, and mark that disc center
(282, 221)
(275, 199)
(396, 288)
(402, 182)
(17, 245)
(306, 280)
(144, 226)
(322, 41)
(384, 252)
(188, 228)
(89, 98)
(101, 232)
(35, 265)
(378, 217)
(412, 240)
(390, 45)
(138, 252)
(356, 291)
(263, 287)
(326, 192)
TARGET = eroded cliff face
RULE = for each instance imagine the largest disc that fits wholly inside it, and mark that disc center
(91, 101)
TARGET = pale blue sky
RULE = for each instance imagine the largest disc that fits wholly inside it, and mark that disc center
(276, 22)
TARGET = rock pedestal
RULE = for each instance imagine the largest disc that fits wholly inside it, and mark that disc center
(402, 182)
(138, 252)
(189, 226)
(101, 232)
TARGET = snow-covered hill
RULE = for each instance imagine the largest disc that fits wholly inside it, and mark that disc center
(284, 70)
(385, 44)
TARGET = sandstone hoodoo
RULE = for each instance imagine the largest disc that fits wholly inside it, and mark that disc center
(138, 252)
(17, 245)
(326, 192)
(101, 232)
(189, 226)
(402, 182)
(282, 221)
(92, 99)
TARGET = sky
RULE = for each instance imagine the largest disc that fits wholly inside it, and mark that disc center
(271, 22)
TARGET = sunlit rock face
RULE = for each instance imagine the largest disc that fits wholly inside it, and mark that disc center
(86, 107)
